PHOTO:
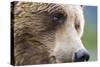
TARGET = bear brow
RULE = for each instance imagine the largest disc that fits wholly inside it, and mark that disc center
(47, 7)
(43, 7)
(55, 7)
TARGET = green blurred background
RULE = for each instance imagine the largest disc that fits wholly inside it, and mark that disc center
(90, 31)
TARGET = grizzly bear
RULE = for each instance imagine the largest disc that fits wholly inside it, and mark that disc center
(44, 33)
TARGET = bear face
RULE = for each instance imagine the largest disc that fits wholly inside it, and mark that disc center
(47, 33)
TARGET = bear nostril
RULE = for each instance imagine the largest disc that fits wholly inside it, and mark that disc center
(81, 55)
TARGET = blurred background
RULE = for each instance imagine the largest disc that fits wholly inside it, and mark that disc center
(90, 31)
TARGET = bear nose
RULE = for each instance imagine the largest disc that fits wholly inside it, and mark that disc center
(81, 55)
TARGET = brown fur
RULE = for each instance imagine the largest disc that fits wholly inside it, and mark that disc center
(35, 33)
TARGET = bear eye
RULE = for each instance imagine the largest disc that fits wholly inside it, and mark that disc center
(57, 17)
